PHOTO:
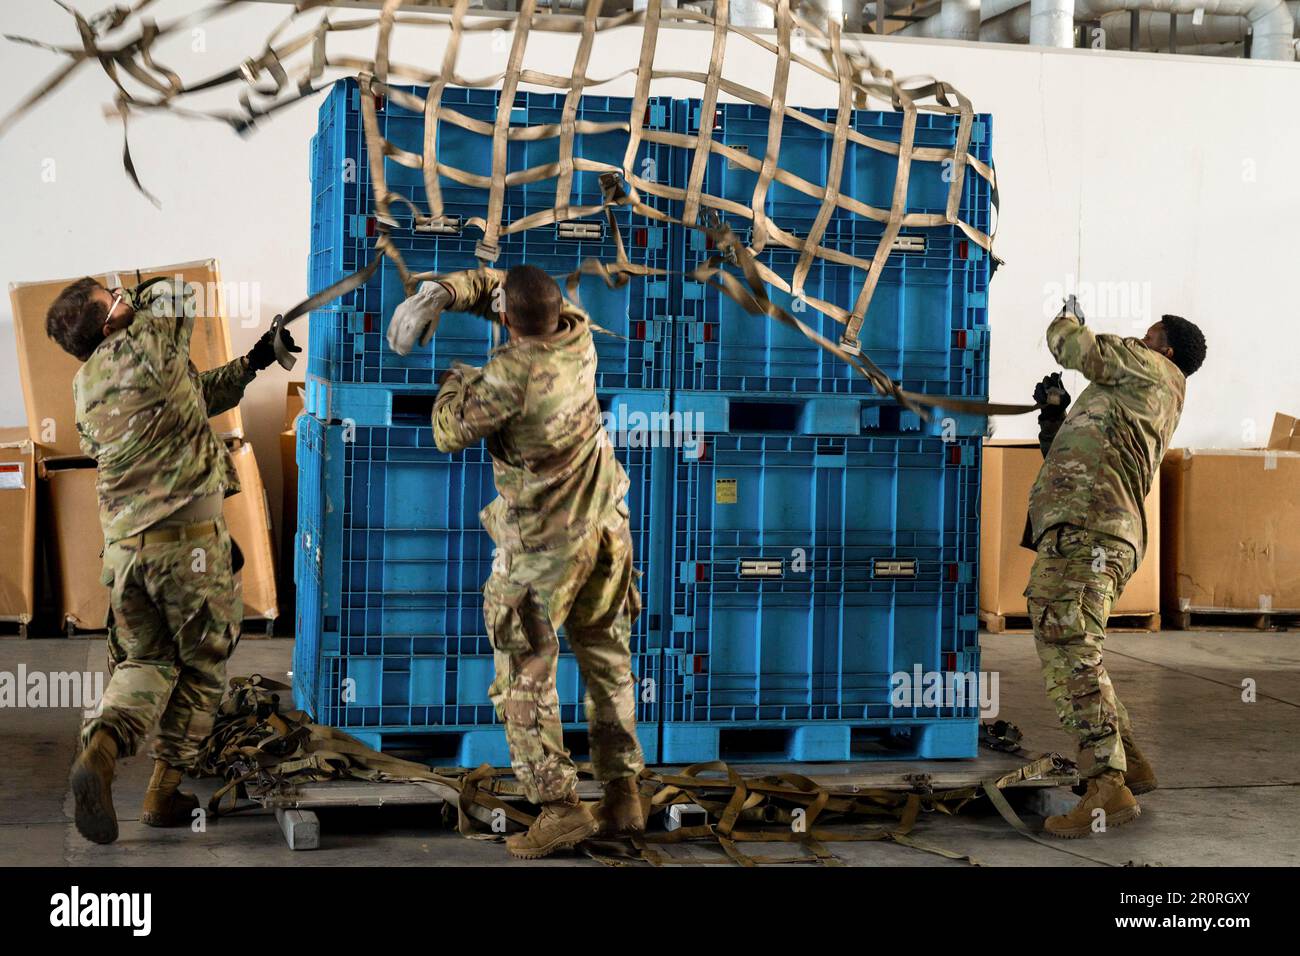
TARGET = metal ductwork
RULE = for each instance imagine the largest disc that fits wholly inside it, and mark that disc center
(1271, 22)
(1051, 23)
(956, 20)
(1206, 37)
(1153, 30)
(751, 13)
(1212, 49)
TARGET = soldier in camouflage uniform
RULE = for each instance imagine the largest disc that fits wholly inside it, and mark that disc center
(142, 414)
(1088, 526)
(563, 548)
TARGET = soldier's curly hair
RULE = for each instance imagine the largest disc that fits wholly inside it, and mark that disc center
(76, 319)
(1187, 341)
(533, 300)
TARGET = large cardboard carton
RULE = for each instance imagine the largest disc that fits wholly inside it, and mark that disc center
(249, 521)
(1231, 530)
(47, 371)
(78, 541)
(18, 457)
(1285, 435)
(1009, 470)
(293, 407)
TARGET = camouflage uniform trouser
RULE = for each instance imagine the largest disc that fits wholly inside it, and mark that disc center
(175, 621)
(589, 587)
(1076, 579)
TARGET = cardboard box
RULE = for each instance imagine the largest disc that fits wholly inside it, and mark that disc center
(1285, 435)
(1009, 470)
(78, 542)
(18, 456)
(1231, 530)
(249, 521)
(293, 407)
(47, 371)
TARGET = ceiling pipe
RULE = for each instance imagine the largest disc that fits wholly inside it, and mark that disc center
(1051, 23)
(1153, 30)
(1272, 22)
(751, 13)
(956, 20)
(994, 8)
(1235, 50)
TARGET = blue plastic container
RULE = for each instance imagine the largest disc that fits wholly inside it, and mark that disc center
(867, 174)
(807, 571)
(352, 372)
(926, 326)
(347, 344)
(389, 564)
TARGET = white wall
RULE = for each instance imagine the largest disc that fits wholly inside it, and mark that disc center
(1169, 178)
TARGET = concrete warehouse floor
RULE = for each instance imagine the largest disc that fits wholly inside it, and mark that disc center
(1230, 772)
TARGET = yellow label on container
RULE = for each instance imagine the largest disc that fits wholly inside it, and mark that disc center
(724, 491)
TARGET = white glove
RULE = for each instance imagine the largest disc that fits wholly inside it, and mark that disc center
(416, 318)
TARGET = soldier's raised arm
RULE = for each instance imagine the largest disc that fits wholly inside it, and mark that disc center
(475, 291)
(1101, 358)
(474, 403)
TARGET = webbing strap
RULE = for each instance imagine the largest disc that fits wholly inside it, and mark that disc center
(708, 108)
(487, 248)
(641, 96)
(834, 169)
(258, 748)
(564, 176)
(775, 120)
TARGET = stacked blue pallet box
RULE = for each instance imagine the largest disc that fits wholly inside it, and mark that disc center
(825, 540)
(391, 557)
(803, 540)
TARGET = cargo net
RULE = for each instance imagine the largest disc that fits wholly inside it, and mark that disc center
(289, 69)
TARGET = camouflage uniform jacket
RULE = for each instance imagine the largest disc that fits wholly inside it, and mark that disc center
(142, 414)
(535, 403)
(1103, 460)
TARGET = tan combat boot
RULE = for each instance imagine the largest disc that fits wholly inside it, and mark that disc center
(164, 804)
(92, 788)
(562, 823)
(619, 811)
(1105, 791)
(1139, 777)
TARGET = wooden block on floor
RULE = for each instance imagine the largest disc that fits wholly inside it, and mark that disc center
(301, 828)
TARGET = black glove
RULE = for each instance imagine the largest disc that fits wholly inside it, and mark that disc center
(1050, 393)
(262, 355)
